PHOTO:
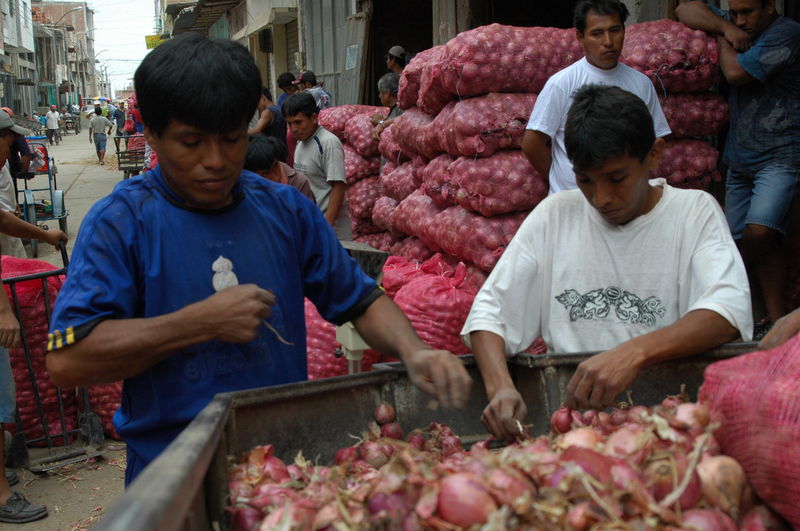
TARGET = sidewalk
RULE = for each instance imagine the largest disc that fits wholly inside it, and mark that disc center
(83, 180)
(76, 495)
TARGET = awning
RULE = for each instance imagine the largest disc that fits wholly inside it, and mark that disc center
(202, 15)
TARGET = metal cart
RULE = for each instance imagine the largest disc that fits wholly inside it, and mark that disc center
(186, 487)
(72, 123)
(44, 203)
(57, 438)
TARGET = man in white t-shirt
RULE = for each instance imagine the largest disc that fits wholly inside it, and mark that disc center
(600, 28)
(635, 268)
(52, 119)
(320, 156)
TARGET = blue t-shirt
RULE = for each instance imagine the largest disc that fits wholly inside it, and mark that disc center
(140, 253)
(277, 128)
(765, 113)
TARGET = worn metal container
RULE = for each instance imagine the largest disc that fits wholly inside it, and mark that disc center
(186, 487)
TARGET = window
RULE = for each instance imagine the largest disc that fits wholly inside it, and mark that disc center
(26, 14)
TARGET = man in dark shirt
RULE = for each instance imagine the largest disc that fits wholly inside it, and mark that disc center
(759, 54)
(271, 122)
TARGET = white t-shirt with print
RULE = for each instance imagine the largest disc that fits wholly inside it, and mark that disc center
(549, 114)
(585, 284)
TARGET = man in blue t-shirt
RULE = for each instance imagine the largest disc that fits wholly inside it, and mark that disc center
(189, 280)
(759, 54)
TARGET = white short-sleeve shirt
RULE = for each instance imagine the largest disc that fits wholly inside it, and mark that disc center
(585, 284)
(549, 115)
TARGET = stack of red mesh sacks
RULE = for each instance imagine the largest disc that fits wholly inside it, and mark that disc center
(755, 398)
(33, 316)
(322, 348)
(683, 65)
(353, 125)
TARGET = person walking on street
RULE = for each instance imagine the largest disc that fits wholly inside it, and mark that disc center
(270, 121)
(600, 29)
(118, 117)
(98, 135)
(759, 55)
(52, 119)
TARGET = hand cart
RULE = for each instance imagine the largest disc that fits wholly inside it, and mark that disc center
(72, 123)
(36, 205)
(87, 426)
(131, 159)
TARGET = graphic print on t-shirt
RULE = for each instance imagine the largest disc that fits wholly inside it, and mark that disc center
(597, 305)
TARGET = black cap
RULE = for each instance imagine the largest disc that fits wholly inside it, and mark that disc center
(306, 76)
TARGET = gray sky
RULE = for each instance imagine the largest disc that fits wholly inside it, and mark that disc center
(120, 28)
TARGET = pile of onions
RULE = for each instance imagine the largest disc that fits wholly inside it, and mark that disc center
(357, 167)
(411, 131)
(382, 212)
(104, 400)
(676, 57)
(362, 226)
(335, 119)
(408, 91)
(414, 214)
(479, 126)
(635, 468)
(505, 182)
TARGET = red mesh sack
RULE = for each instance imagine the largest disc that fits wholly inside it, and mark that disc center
(477, 127)
(414, 215)
(791, 244)
(398, 183)
(357, 167)
(382, 240)
(105, 401)
(397, 272)
(498, 58)
(33, 320)
(335, 119)
(321, 347)
(412, 248)
(688, 164)
(411, 130)
(695, 113)
(676, 57)
(505, 182)
(437, 307)
(389, 148)
(472, 237)
(408, 90)
(358, 132)
(437, 182)
(419, 163)
(383, 212)
(361, 227)
(361, 197)
(755, 398)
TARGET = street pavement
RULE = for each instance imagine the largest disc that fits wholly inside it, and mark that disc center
(83, 181)
(77, 495)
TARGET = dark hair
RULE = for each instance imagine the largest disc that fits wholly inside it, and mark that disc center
(266, 92)
(390, 82)
(299, 103)
(399, 59)
(285, 80)
(599, 7)
(262, 153)
(604, 122)
(213, 85)
(98, 111)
